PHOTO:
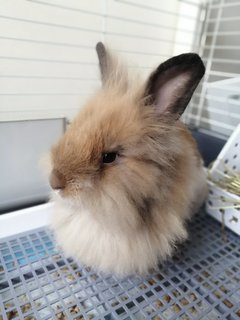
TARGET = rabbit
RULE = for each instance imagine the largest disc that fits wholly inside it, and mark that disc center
(127, 173)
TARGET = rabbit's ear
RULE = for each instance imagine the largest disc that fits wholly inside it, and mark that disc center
(113, 72)
(105, 61)
(171, 85)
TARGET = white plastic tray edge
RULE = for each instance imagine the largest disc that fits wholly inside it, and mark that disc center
(26, 219)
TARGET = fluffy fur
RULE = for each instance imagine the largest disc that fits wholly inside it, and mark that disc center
(126, 216)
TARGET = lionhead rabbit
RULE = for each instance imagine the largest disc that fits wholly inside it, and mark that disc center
(127, 171)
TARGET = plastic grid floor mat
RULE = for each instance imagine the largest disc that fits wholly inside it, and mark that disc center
(202, 281)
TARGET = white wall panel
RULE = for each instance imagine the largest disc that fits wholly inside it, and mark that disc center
(48, 64)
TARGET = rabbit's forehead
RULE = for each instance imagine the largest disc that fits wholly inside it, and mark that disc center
(109, 125)
(104, 125)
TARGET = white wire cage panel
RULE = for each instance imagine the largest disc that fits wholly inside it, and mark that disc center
(48, 65)
(216, 104)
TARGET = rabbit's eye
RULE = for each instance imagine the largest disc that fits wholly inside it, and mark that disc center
(109, 157)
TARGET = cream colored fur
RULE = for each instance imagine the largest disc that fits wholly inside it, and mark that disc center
(127, 216)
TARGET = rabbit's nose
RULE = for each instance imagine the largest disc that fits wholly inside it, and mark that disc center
(57, 180)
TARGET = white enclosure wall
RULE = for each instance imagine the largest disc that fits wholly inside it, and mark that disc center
(216, 105)
(48, 65)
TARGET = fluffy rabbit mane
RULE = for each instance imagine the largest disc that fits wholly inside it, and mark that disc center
(127, 215)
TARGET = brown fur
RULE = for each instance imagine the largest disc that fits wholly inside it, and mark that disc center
(139, 202)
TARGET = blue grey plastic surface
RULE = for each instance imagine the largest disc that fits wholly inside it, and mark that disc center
(209, 146)
(202, 281)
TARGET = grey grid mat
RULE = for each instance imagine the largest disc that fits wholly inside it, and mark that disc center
(201, 282)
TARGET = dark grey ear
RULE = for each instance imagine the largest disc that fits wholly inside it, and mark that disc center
(113, 72)
(106, 62)
(103, 59)
(171, 86)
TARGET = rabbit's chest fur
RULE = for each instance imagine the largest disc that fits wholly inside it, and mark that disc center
(81, 236)
(117, 249)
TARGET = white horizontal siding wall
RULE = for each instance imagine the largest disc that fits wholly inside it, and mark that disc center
(48, 64)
